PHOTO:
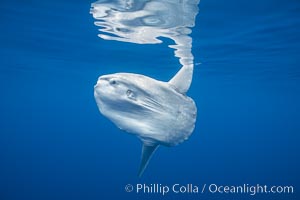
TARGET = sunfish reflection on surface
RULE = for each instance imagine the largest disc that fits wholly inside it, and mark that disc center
(159, 113)
(143, 22)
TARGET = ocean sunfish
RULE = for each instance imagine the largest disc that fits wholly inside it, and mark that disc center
(159, 113)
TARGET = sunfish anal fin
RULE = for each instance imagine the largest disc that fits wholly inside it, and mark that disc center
(147, 152)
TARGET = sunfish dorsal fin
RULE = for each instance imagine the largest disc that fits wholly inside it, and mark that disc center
(147, 153)
(183, 79)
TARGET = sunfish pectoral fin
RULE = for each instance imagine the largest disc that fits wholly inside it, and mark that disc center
(147, 152)
(183, 78)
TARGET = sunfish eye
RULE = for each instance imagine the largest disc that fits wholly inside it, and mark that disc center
(130, 94)
(112, 82)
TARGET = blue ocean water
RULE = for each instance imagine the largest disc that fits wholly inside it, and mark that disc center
(54, 143)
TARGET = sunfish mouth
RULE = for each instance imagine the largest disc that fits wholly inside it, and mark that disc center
(99, 87)
(102, 81)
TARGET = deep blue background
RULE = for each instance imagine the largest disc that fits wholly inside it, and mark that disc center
(54, 144)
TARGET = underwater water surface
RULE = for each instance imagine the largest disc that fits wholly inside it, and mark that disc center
(54, 143)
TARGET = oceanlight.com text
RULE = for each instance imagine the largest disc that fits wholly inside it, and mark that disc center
(248, 189)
